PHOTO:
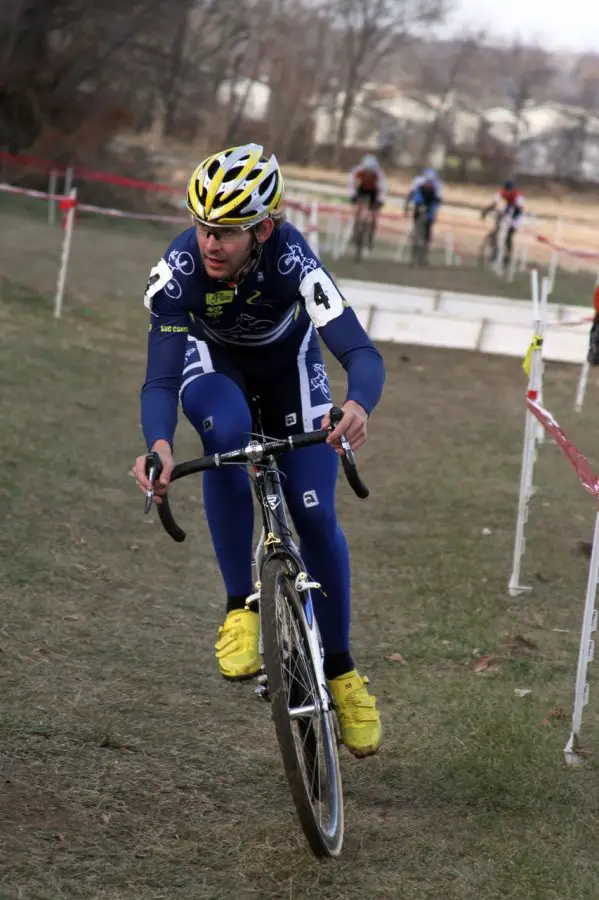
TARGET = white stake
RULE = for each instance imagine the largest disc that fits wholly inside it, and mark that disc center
(531, 431)
(449, 247)
(540, 330)
(52, 190)
(554, 261)
(68, 180)
(585, 653)
(66, 251)
(582, 385)
(526, 491)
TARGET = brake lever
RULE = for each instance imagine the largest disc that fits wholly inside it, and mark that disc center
(349, 453)
(335, 415)
(153, 469)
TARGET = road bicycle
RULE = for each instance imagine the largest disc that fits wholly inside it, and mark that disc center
(419, 245)
(292, 678)
(493, 249)
(364, 226)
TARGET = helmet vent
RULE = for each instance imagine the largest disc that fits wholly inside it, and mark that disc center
(232, 174)
(267, 186)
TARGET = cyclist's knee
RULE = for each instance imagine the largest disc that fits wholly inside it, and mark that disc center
(312, 507)
(315, 520)
(310, 479)
(218, 410)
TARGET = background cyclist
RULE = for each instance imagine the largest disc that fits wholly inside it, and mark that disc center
(508, 204)
(426, 196)
(367, 181)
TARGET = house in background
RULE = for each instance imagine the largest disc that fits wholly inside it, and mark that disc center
(450, 132)
(560, 142)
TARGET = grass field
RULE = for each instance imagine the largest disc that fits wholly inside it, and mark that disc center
(131, 770)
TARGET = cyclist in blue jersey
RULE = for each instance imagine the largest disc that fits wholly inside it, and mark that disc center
(426, 196)
(237, 305)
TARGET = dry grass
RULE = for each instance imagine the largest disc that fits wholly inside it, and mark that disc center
(130, 770)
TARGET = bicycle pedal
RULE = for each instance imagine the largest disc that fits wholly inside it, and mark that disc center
(262, 689)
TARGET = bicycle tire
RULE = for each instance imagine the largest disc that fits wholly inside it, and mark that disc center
(282, 612)
(418, 242)
(488, 250)
(371, 233)
(359, 230)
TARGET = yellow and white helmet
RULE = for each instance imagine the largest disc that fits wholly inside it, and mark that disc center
(238, 187)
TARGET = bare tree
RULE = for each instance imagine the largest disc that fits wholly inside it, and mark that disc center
(528, 71)
(368, 32)
(445, 73)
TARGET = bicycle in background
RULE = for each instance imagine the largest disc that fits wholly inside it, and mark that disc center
(419, 238)
(364, 226)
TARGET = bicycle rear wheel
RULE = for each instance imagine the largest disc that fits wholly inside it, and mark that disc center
(305, 731)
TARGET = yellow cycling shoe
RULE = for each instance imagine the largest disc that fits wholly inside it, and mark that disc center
(359, 719)
(237, 645)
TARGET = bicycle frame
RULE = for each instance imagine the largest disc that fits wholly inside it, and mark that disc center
(276, 540)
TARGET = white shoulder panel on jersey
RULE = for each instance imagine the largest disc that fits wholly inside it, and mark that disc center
(160, 275)
(323, 301)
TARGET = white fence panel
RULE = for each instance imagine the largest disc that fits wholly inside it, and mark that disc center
(497, 325)
(432, 330)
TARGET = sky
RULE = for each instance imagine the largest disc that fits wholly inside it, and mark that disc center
(557, 24)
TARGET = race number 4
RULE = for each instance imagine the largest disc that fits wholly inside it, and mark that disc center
(320, 298)
(323, 301)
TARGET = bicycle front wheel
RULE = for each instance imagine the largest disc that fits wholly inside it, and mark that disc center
(418, 244)
(359, 229)
(488, 250)
(305, 731)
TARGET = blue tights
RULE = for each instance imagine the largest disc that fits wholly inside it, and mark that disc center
(218, 410)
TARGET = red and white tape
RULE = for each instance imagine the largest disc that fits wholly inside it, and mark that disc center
(579, 463)
(582, 321)
(66, 203)
(569, 251)
(41, 195)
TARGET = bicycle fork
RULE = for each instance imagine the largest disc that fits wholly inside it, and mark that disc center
(275, 532)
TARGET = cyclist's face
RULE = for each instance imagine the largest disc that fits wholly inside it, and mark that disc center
(225, 250)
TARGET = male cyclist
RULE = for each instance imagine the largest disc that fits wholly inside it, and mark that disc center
(237, 305)
(426, 196)
(367, 181)
(508, 205)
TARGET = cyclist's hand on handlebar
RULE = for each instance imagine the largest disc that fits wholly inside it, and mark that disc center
(165, 453)
(352, 425)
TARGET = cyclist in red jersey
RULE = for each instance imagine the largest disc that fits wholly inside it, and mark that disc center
(367, 180)
(508, 204)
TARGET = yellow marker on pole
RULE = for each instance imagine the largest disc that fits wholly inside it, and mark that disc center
(535, 344)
